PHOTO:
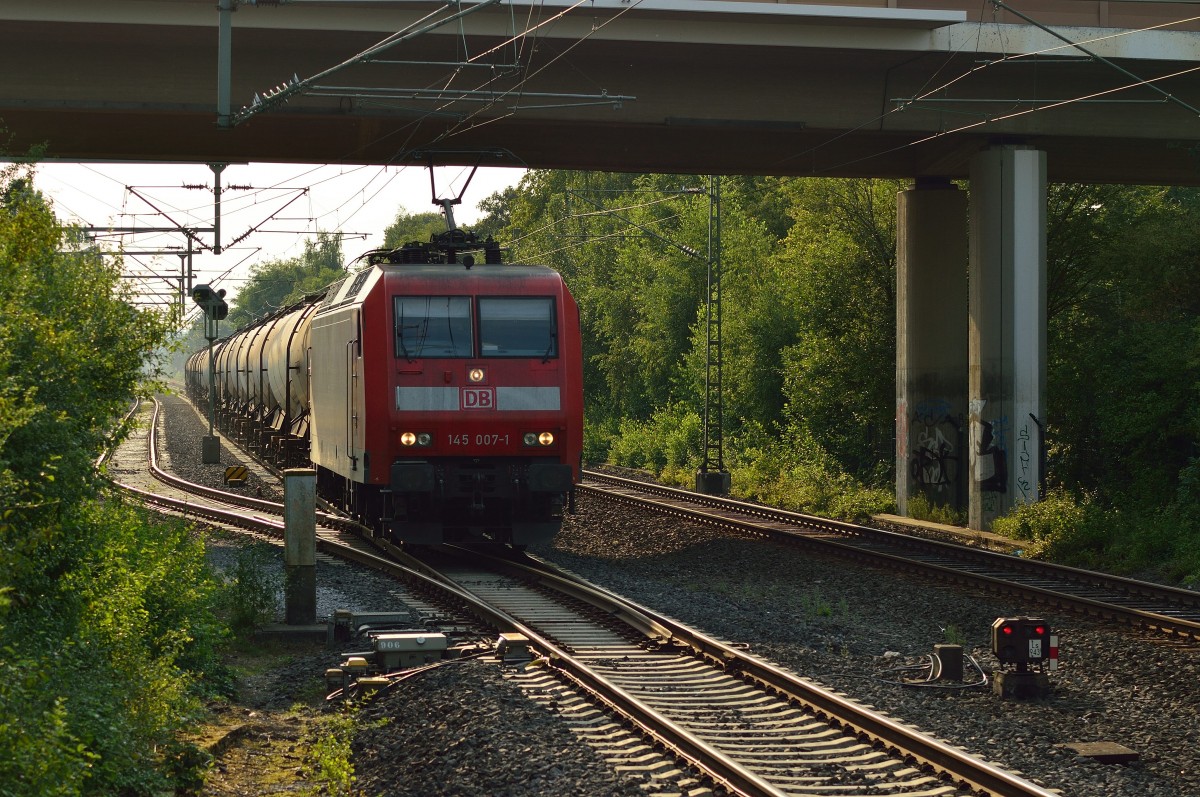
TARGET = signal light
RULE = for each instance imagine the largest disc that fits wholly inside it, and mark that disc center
(1021, 641)
(212, 302)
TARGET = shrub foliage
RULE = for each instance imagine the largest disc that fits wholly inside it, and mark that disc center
(107, 628)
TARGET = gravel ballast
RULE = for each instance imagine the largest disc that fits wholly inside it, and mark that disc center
(850, 627)
(846, 626)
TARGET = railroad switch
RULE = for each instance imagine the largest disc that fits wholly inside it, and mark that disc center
(1026, 650)
(400, 651)
(355, 671)
(513, 647)
(355, 666)
(345, 624)
(336, 679)
(339, 679)
(372, 684)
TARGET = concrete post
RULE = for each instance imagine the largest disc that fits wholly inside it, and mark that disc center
(300, 545)
(1007, 330)
(210, 445)
(931, 345)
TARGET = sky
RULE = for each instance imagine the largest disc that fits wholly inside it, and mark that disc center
(271, 208)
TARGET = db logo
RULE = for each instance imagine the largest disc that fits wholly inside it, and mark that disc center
(477, 398)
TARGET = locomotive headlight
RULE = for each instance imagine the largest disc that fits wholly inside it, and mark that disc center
(424, 439)
(545, 438)
(535, 439)
(476, 375)
(531, 438)
(408, 439)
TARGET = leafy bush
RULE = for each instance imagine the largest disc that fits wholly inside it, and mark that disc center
(796, 474)
(330, 759)
(250, 597)
(106, 622)
(597, 440)
(920, 508)
(672, 438)
(1160, 545)
(1053, 525)
(133, 609)
(39, 756)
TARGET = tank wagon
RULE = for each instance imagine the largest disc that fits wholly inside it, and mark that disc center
(438, 399)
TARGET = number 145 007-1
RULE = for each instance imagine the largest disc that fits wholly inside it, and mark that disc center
(478, 439)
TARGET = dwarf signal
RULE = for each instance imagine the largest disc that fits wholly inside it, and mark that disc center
(1026, 650)
(1021, 641)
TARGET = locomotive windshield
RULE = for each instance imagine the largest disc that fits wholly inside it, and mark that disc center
(517, 327)
(433, 326)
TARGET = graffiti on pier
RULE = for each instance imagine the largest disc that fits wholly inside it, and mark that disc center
(930, 412)
(1029, 445)
(934, 462)
(991, 460)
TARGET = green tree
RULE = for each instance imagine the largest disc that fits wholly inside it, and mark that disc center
(758, 321)
(497, 210)
(554, 221)
(1131, 323)
(840, 259)
(275, 284)
(73, 351)
(410, 227)
(86, 584)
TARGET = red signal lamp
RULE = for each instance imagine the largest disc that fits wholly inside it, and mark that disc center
(1021, 641)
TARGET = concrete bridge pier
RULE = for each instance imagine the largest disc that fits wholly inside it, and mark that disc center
(931, 345)
(1007, 330)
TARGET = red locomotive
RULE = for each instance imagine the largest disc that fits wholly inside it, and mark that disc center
(439, 399)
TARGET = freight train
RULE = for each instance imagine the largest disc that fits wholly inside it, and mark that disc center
(438, 399)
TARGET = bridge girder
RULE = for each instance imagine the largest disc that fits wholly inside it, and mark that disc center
(715, 87)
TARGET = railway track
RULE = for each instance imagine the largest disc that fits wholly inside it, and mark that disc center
(1167, 610)
(759, 729)
(752, 728)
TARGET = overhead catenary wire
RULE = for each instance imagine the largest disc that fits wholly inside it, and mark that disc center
(1006, 116)
(175, 214)
(587, 214)
(878, 120)
(532, 27)
(516, 90)
(536, 23)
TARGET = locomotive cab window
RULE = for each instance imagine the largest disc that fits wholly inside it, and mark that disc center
(433, 326)
(517, 327)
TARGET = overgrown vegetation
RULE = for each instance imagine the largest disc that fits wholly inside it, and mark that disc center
(330, 756)
(250, 599)
(108, 623)
(809, 347)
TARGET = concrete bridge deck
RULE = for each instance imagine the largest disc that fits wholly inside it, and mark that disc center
(706, 86)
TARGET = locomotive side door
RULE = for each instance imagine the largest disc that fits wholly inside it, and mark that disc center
(354, 392)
